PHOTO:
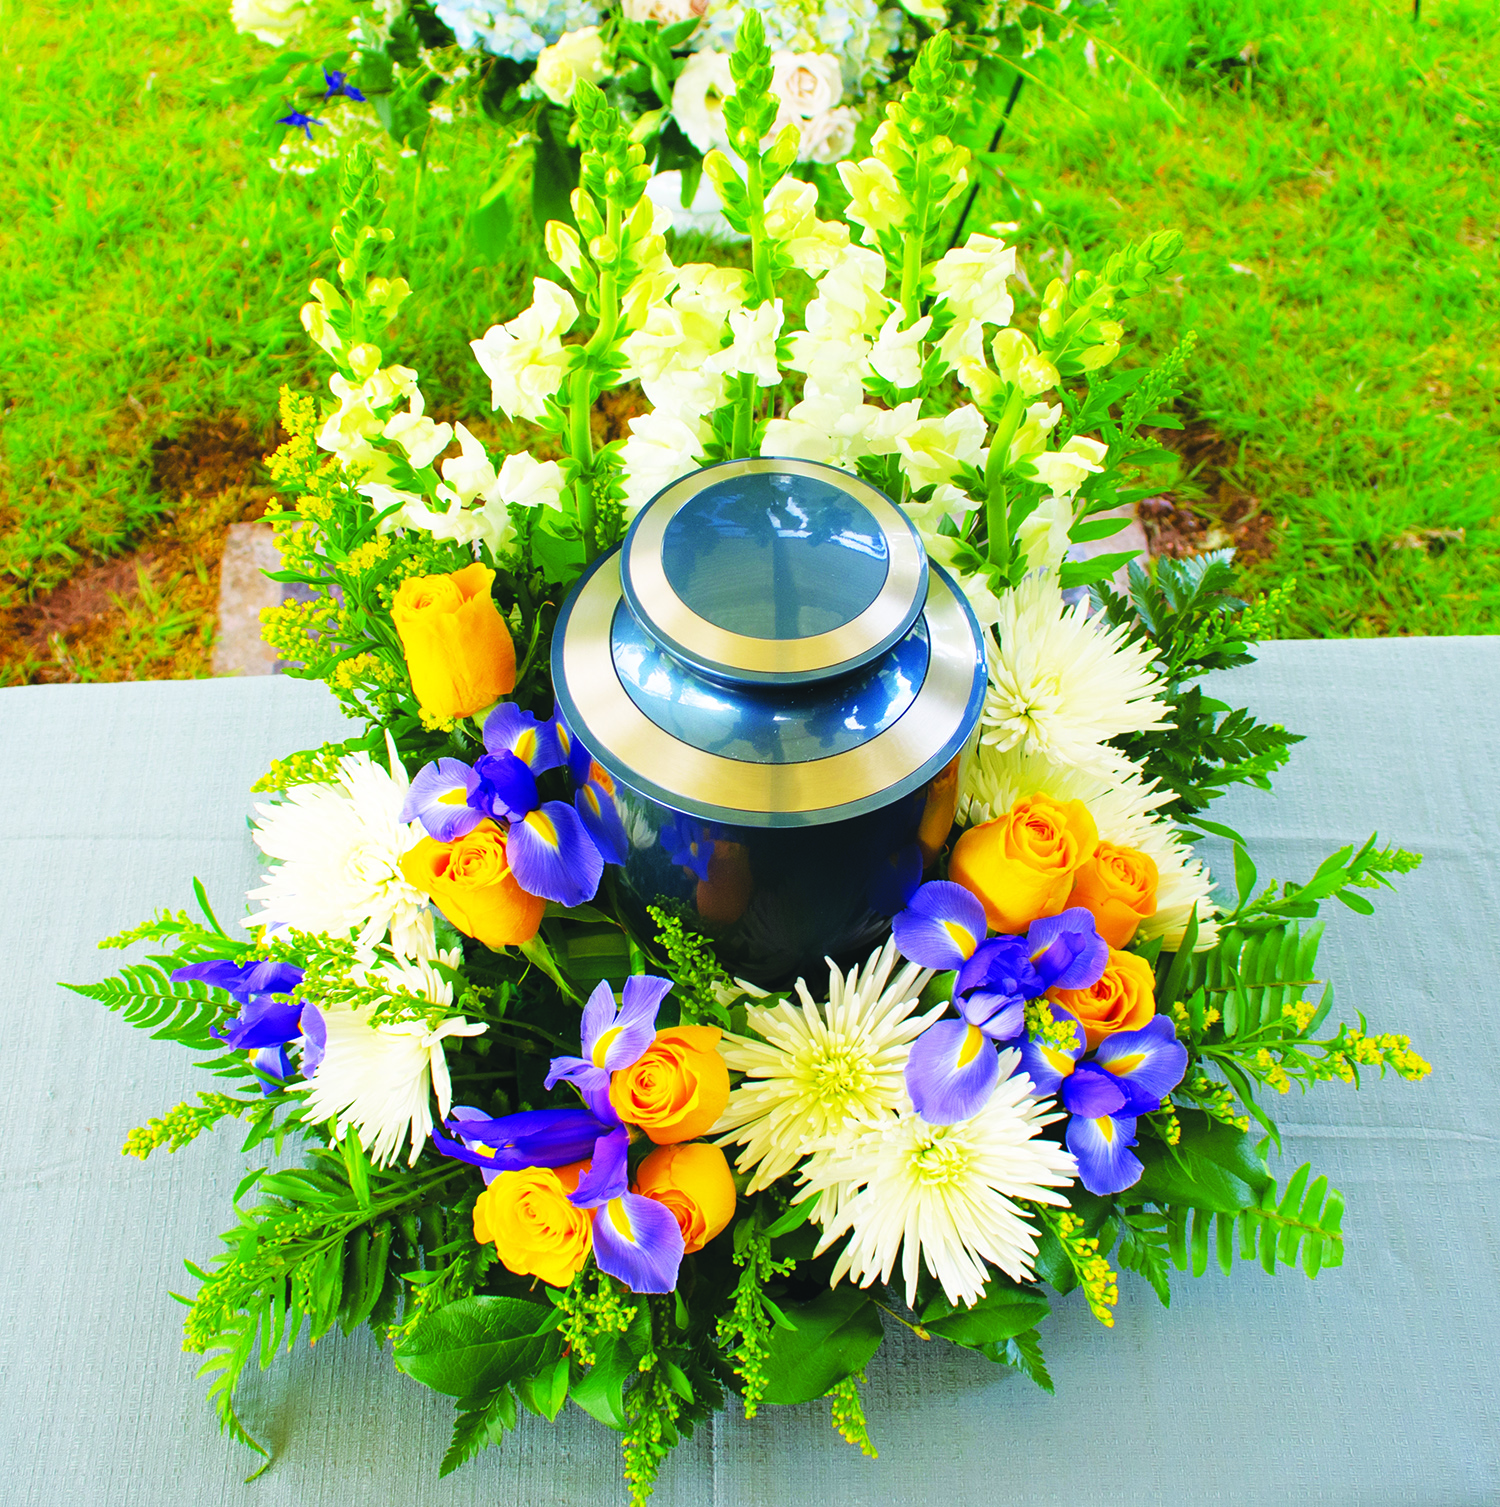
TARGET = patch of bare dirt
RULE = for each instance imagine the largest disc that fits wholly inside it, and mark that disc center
(1210, 507)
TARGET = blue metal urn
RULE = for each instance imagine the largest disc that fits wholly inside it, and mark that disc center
(779, 685)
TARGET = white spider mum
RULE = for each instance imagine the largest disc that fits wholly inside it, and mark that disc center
(1062, 683)
(822, 1068)
(340, 848)
(944, 1195)
(379, 1080)
(1123, 806)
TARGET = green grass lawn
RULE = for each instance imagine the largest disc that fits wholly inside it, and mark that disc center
(1333, 166)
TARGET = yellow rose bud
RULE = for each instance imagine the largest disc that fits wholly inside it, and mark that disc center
(458, 650)
(1021, 865)
(695, 1183)
(471, 883)
(1117, 886)
(676, 1088)
(536, 1232)
(1123, 998)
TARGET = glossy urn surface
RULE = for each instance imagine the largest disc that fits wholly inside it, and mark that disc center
(778, 686)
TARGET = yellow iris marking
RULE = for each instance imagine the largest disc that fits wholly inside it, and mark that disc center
(602, 1046)
(591, 798)
(615, 1208)
(1125, 1065)
(482, 1149)
(1059, 1062)
(1106, 1128)
(525, 746)
(541, 824)
(973, 1040)
(454, 797)
(963, 938)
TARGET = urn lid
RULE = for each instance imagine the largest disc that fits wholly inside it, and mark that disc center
(774, 572)
(774, 746)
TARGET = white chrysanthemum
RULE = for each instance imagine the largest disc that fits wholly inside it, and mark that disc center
(340, 848)
(1062, 683)
(822, 1068)
(379, 1080)
(1123, 806)
(944, 1195)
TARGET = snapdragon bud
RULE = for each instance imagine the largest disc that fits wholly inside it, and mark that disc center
(563, 247)
(1017, 361)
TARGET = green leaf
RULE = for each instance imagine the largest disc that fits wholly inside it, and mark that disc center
(835, 1337)
(1004, 1310)
(480, 1423)
(1244, 875)
(1213, 1167)
(150, 1001)
(1099, 568)
(491, 222)
(1024, 1352)
(475, 1345)
(601, 1392)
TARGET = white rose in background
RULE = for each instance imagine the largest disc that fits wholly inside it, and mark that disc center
(577, 55)
(828, 137)
(663, 12)
(274, 22)
(698, 100)
(808, 84)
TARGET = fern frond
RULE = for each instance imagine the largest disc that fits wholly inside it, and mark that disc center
(150, 1001)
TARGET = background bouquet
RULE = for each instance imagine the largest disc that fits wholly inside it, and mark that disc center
(664, 64)
(551, 1154)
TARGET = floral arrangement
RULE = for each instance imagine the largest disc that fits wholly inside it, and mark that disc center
(548, 1155)
(401, 65)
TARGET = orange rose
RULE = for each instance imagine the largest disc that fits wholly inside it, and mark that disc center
(536, 1232)
(1117, 886)
(471, 883)
(1124, 998)
(695, 1183)
(458, 650)
(724, 893)
(676, 1088)
(1021, 865)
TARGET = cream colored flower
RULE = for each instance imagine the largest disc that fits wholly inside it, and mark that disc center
(829, 137)
(933, 450)
(1017, 361)
(973, 280)
(753, 349)
(526, 360)
(698, 100)
(1043, 536)
(526, 482)
(274, 22)
(807, 84)
(1066, 470)
(877, 202)
(897, 353)
(575, 55)
(661, 448)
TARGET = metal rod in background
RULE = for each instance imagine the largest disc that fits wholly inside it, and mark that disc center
(1010, 104)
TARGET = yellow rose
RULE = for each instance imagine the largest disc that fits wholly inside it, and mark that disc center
(536, 1232)
(695, 1183)
(1117, 886)
(471, 883)
(1021, 865)
(458, 650)
(676, 1088)
(1123, 998)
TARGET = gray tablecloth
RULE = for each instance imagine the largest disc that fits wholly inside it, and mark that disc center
(1376, 1384)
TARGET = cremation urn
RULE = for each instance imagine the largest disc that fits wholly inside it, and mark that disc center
(778, 686)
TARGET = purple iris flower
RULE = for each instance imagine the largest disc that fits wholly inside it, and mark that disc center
(612, 1039)
(941, 927)
(573, 754)
(338, 83)
(954, 1067)
(440, 799)
(689, 844)
(636, 1239)
(314, 1039)
(267, 1021)
(1128, 1076)
(531, 1138)
(596, 808)
(304, 122)
(503, 787)
(508, 729)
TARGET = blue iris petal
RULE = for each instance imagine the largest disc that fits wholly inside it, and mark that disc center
(688, 843)
(338, 83)
(607, 1176)
(1001, 975)
(265, 1022)
(1089, 1091)
(508, 729)
(297, 118)
(601, 820)
(503, 787)
(552, 855)
(951, 1072)
(439, 799)
(1147, 1064)
(1048, 1066)
(625, 1033)
(273, 1062)
(639, 1241)
(531, 1138)
(1101, 1145)
(314, 1039)
(570, 751)
(243, 981)
(591, 1082)
(1001, 1018)
(1067, 950)
(942, 926)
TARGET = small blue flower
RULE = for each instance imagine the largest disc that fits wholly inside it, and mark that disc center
(304, 122)
(338, 83)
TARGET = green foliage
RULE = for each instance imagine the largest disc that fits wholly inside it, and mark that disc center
(148, 1000)
(1024, 1353)
(697, 973)
(1189, 613)
(816, 1344)
(482, 1420)
(1004, 1310)
(746, 1332)
(184, 1123)
(1143, 1249)
(478, 1344)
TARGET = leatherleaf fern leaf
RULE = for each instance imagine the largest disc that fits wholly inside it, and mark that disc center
(150, 1001)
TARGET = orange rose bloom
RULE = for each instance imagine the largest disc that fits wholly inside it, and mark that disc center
(536, 1232)
(471, 883)
(695, 1183)
(676, 1088)
(458, 650)
(1124, 998)
(1021, 865)
(724, 894)
(1117, 886)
